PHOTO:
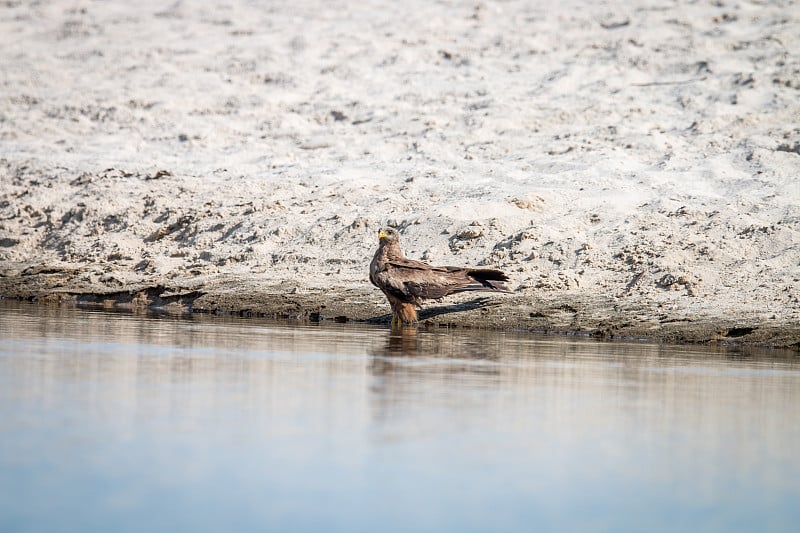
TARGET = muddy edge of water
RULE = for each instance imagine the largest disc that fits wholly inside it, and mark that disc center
(617, 317)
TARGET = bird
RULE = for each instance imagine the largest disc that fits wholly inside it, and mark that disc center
(406, 283)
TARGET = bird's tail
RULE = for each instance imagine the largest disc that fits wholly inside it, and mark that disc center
(486, 279)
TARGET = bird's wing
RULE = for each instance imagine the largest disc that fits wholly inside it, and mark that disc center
(415, 265)
(413, 281)
(420, 281)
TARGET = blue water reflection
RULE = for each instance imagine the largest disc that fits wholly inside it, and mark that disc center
(117, 422)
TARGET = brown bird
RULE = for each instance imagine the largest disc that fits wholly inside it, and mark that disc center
(406, 283)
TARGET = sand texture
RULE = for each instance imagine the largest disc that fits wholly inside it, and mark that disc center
(633, 166)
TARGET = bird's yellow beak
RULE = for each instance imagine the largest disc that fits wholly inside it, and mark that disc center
(382, 235)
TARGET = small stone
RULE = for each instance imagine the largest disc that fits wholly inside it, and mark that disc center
(469, 232)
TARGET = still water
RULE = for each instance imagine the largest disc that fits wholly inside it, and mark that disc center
(119, 422)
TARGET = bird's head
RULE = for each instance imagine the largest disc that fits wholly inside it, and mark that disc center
(388, 235)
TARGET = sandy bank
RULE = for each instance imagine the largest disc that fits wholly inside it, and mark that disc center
(634, 167)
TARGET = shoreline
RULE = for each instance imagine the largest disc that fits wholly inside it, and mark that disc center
(573, 313)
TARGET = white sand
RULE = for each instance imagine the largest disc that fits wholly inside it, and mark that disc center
(647, 152)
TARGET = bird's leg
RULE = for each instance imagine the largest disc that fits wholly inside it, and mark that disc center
(407, 313)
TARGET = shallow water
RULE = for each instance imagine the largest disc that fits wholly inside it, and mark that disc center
(119, 422)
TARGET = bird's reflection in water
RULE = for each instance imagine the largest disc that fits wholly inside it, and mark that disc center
(417, 370)
(402, 340)
(426, 342)
(424, 351)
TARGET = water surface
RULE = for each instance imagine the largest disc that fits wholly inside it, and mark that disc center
(119, 422)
